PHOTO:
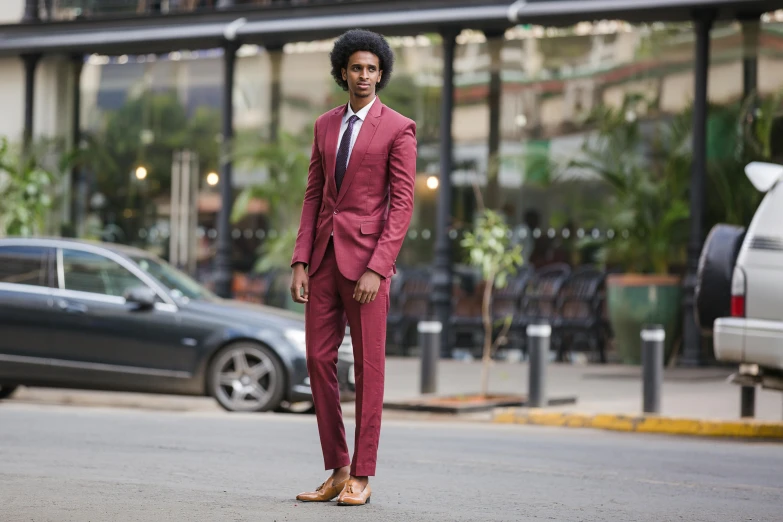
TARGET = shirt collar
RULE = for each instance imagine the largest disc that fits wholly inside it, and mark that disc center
(362, 114)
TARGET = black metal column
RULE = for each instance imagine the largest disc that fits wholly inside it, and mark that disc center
(31, 12)
(78, 185)
(223, 264)
(495, 44)
(442, 276)
(30, 65)
(751, 27)
(692, 354)
(275, 102)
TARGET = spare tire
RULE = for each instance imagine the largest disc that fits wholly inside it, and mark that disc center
(716, 267)
(6, 391)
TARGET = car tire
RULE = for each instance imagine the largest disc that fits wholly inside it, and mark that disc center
(716, 268)
(6, 391)
(257, 385)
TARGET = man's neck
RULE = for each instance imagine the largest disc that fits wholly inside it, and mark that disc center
(358, 104)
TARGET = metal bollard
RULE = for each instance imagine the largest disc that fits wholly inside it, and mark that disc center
(748, 402)
(538, 340)
(429, 341)
(653, 337)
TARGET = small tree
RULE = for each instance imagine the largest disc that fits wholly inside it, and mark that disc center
(488, 248)
(25, 193)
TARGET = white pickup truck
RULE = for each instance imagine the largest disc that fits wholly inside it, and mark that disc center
(739, 293)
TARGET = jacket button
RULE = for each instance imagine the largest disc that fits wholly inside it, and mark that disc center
(335, 212)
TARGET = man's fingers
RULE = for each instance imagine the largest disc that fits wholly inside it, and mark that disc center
(364, 295)
(296, 291)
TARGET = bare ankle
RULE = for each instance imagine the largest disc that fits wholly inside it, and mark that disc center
(342, 473)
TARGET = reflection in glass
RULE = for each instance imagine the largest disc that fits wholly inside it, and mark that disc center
(179, 284)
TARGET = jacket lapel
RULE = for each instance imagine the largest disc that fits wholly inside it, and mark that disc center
(366, 133)
(332, 136)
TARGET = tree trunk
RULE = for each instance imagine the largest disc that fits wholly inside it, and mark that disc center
(487, 319)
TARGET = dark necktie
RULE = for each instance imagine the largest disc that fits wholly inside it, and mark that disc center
(342, 152)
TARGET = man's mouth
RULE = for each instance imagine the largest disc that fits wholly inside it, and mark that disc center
(363, 85)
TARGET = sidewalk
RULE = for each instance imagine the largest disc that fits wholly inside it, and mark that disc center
(617, 389)
(700, 393)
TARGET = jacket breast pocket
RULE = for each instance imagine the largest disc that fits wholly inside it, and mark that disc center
(372, 228)
(372, 159)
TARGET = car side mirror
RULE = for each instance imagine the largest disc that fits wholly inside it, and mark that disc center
(142, 296)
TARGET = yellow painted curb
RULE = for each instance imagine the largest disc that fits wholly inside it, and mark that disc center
(644, 424)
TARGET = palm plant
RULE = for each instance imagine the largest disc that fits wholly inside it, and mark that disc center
(285, 164)
(743, 133)
(648, 177)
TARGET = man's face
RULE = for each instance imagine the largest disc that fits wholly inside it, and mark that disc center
(363, 74)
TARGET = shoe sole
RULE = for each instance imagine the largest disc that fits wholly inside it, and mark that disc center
(349, 504)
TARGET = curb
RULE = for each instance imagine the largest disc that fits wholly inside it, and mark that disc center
(645, 424)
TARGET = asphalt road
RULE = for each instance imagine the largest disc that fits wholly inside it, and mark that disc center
(63, 464)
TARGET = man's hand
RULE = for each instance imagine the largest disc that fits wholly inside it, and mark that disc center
(367, 286)
(300, 284)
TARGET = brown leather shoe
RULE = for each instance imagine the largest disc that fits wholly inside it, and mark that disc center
(325, 492)
(350, 497)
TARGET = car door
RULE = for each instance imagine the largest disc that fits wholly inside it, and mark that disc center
(109, 338)
(25, 299)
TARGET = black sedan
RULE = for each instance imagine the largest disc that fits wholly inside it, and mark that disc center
(77, 314)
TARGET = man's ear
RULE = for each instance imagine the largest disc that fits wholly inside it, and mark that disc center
(380, 75)
(345, 74)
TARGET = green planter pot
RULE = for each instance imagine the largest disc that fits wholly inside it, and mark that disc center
(635, 300)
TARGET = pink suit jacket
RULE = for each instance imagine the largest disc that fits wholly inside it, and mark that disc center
(371, 214)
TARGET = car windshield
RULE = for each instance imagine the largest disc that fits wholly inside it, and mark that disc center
(178, 283)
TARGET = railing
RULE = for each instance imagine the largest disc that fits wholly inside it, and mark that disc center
(60, 10)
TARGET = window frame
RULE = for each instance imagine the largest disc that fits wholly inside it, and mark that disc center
(167, 303)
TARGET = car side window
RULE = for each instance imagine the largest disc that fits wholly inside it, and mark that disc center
(94, 273)
(24, 265)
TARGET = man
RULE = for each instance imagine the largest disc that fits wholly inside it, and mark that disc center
(356, 212)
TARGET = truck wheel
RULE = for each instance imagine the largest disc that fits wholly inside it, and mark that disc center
(6, 391)
(713, 279)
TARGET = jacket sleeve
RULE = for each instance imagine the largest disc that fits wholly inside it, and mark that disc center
(311, 206)
(402, 177)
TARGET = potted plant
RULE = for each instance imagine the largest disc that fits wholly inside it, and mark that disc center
(26, 193)
(647, 169)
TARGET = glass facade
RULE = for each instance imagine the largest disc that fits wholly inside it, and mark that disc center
(539, 85)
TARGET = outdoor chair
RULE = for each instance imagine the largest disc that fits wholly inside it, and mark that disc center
(580, 320)
(539, 303)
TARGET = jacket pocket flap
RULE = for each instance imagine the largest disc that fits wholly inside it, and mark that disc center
(372, 227)
(373, 157)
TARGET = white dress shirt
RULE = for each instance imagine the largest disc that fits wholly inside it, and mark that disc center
(362, 114)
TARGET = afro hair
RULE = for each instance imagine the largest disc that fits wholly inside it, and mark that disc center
(361, 40)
